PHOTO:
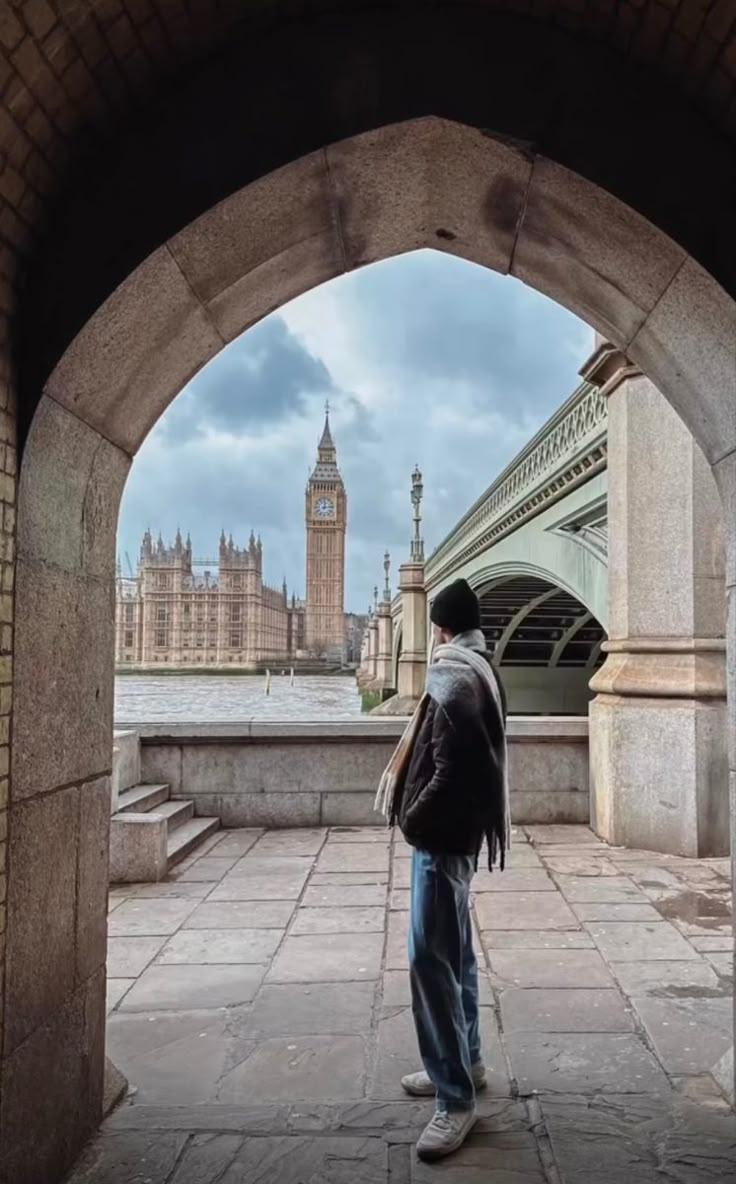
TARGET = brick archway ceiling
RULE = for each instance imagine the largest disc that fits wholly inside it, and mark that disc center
(541, 626)
(121, 120)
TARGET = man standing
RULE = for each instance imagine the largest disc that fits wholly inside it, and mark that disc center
(446, 786)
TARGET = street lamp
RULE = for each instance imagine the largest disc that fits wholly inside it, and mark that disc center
(417, 492)
(386, 569)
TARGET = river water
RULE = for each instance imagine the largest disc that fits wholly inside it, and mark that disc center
(185, 698)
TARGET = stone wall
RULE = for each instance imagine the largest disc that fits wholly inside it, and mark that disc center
(285, 775)
(7, 583)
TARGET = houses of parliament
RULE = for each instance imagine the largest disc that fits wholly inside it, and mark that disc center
(186, 613)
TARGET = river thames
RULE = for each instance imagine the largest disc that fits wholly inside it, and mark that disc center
(172, 698)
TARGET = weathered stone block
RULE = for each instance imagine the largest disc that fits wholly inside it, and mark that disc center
(138, 848)
(71, 617)
(93, 876)
(270, 809)
(42, 898)
(348, 809)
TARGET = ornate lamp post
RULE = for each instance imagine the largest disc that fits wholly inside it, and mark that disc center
(386, 571)
(417, 492)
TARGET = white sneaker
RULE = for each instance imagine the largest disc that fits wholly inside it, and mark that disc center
(446, 1132)
(419, 1084)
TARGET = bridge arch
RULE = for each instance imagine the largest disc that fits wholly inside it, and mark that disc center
(297, 153)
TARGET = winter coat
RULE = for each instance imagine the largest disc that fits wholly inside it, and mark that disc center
(452, 794)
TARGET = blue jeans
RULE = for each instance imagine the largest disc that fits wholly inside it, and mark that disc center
(444, 974)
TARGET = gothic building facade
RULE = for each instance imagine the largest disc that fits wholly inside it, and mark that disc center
(182, 612)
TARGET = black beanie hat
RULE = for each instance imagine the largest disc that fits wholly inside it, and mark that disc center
(456, 608)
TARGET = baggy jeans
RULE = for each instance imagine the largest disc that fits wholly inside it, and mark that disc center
(443, 974)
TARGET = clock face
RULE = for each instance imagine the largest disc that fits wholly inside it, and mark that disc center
(324, 508)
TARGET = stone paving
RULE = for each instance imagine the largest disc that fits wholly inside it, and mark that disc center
(259, 1007)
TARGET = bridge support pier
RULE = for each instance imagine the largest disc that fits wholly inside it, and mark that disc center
(372, 649)
(384, 673)
(658, 726)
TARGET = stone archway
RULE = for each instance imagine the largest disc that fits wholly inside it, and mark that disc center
(417, 183)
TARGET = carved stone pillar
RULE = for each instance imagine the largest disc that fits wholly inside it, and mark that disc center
(658, 731)
(413, 660)
(384, 673)
(373, 649)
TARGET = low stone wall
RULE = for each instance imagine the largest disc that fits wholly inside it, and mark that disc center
(301, 774)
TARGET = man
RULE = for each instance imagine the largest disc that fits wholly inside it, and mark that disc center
(446, 787)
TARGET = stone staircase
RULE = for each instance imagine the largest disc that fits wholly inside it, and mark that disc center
(150, 831)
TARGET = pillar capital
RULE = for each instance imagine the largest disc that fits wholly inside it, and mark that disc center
(607, 367)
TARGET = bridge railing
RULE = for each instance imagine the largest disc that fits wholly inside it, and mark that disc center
(568, 450)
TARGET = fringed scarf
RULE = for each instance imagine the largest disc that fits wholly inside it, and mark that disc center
(451, 664)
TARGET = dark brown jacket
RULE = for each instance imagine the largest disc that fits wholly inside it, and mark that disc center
(452, 796)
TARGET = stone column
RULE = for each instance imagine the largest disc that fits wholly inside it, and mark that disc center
(384, 673)
(413, 660)
(658, 730)
(373, 648)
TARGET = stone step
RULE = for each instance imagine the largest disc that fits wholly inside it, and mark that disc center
(176, 811)
(142, 798)
(185, 838)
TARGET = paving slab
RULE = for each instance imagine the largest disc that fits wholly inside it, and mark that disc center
(723, 964)
(207, 869)
(181, 889)
(667, 979)
(549, 968)
(149, 918)
(573, 1062)
(328, 957)
(254, 864)
(129, 1157)
(520, 855)
(241, 914)
(339, 920)
(400, 900)
(566, 1009)
(636, 941)
(347, 879)
(178, 988)
(640, 1140)
(360, 834)
(594, 911)
(315, 1009)
(600, 889)
(128, 957)
(401, 877)
(308, 841)
(116, 989)
(272, 886)
(524, 910)
(175, 1059)
(353, 857)
(213, 946)
(205, 1158)
(537, 939)
(235, 842)
(507, 1158)
(566, 834)
(397, 951)
(285, 1068)
(689, 1035)
(300, 1159)
(341, 895)
(580, 865)
(518, 879)
(713, 943)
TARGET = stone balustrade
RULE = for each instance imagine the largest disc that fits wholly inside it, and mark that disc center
(310, 774)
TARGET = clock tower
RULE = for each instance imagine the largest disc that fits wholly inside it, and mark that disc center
(326, 521)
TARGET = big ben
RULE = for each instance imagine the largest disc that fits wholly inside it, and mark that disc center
(326, 522)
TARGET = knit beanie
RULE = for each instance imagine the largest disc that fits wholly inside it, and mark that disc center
(456, 608)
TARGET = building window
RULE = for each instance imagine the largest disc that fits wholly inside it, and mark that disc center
(235, 639)
(237, 581)
(128, 638)
(235, 614)
(162, 581)
(129, 610)
(161, 641)
(161, 614)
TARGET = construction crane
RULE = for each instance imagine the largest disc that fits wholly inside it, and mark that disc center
(131, 572)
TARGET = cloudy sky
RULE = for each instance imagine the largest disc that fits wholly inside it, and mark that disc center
(424, 358)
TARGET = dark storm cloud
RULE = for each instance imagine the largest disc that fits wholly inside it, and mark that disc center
(262, 377)
(424, 359)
